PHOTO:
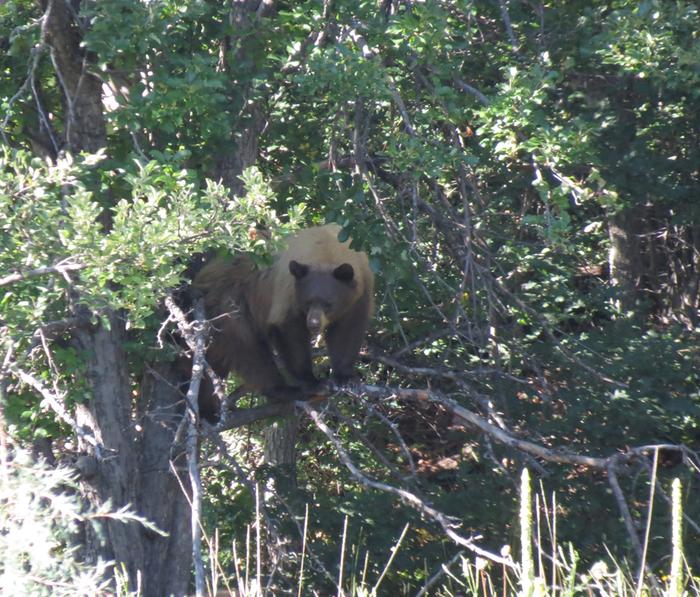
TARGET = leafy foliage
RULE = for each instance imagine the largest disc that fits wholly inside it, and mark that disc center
(523, 177)
(39, 517)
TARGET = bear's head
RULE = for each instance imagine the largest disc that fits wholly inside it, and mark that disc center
(323, 293)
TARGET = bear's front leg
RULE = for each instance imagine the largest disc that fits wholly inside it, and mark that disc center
(344, 339)
(292, 342)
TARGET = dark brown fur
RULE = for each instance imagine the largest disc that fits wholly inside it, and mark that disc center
(318, 285)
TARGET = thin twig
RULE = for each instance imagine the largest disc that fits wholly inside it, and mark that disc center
(439, 574)
(399, 438)
(367, 442)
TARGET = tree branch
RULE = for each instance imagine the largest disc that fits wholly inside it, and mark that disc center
(62, 267)
(55, 402)
(503, 4)
(238, 418)
(195, 334)
(448, 524)
(507, 439)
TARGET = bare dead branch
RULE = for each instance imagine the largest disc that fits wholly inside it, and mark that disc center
(506, 438)
(623, 507)
(62, 267)
(56, 403)
(238, 418)
(30, 84)
(451, 375)
(177, 315)
(195, 334)
(446, 523)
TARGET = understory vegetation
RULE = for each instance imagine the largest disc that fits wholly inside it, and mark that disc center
(524, 177)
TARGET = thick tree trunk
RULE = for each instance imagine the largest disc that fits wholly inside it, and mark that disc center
(133, 459)
(280, 443)
(84, 124)
(162, 495)
(137, 462)
(137, 469)
(625, 255)
(107, 416)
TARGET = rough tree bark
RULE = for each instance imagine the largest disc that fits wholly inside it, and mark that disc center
(107, 416)
(167, 562)
(137, 463)
(132, 468)
(625, 255)
(84, 123)
(280, 444)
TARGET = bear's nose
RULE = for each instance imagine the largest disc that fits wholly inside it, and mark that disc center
(314, 320)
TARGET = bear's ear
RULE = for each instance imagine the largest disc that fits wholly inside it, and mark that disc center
(344, 272)
(298, 270)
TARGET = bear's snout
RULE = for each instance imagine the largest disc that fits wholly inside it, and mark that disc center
(315, 320)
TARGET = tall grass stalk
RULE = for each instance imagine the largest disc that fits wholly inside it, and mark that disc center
(527, 567)
(236, 567)
(650, 511)
(676, 581)
(258, 563)
(247, 556)
(342, 558)
(608, 577)
(570, 588)
(551, 518)
(394, 551)
(303, 549)
(365, 567)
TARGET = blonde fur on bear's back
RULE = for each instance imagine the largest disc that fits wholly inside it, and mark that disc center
(319, 247)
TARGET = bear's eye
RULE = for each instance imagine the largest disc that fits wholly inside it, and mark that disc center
(324, 305)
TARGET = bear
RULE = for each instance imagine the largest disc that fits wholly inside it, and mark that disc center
(317, 287)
